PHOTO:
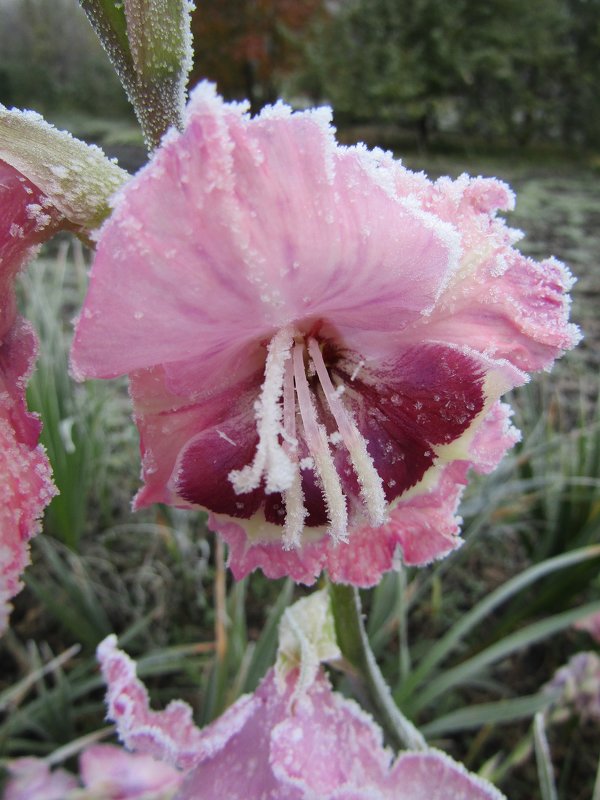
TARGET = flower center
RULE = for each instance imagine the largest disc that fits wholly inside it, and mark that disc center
(288, 409)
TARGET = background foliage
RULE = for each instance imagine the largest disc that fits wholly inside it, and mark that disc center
(465, 644)
(505, 71)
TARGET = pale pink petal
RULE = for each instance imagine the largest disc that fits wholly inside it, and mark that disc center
(233, 259)
(435, 776)
(168, 735)
(26, 485)
(499, 301)
(112, 773)
(327, 743)
(278, 744)
(32, 779)
(293, 748)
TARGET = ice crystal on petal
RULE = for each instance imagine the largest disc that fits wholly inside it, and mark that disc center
(290, 740)
(325, 340)
(25, 476)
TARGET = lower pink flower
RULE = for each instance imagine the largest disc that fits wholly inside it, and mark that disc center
(32, 779)
(106, 772)
(278, 744)
(25, 476)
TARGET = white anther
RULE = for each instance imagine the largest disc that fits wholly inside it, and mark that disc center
(316, 439)
(271, 458)
(371, 485)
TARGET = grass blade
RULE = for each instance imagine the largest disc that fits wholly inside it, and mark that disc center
(543, 759)
(497, 713)
(510, 644)
(482, 610)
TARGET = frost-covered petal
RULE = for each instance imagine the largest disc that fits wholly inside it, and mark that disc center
(422, 527)
(233, 260)
(168, 735)
(111, 773)
(498, 301)
(26, 218)
(32, 779)
(25, 476)
(290, 740)
(435, 776)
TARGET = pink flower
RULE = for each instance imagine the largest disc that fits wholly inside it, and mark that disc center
(32, 779)
(280, 745)
(590, 624)
(107, 772)
(576, 686)
(316, 338)
(25, 475)
(111, 773)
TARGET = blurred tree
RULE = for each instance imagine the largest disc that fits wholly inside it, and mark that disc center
(244, 45)
(51, 60)
(502, 68)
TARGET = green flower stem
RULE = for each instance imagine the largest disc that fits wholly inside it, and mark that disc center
(353, 642)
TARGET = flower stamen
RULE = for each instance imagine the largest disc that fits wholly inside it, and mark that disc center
(370, 481)
(295, 510)
(271, 458)
(316, 441)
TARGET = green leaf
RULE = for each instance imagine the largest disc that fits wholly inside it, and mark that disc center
(77, 178)
(497, 713)
(264, 651)
(525, 637)
(543, 759)
(149, 43)
(482, 610)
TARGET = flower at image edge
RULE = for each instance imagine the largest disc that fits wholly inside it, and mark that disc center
(316, 338)
(26, 218)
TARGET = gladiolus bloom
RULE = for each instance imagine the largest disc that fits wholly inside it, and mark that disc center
(317, 339)
(279, 744)
(107, 772)
(26, 217)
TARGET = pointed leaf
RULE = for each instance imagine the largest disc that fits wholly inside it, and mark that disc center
(543, 759)
(76, 177)
(496, 713)
(525, 637)
(442, 648)
(149, 43)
